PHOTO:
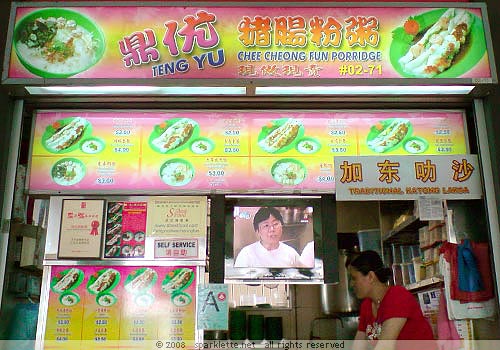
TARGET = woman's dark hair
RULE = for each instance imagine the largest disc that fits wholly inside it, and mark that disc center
(370, 260)
(263, 214)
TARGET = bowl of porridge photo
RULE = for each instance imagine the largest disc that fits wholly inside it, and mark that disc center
(57, 42)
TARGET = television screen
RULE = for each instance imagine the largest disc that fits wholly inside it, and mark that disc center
(273, 239)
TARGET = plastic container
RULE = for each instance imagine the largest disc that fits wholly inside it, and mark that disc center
(411, 273)
(274, 328)
(405, 254)
(415, 251)
(396, 254)
(256, 328)
(370, 240)
(423, 236)
(417, 267)
(406, 273)
(397, 274)
(237, 325)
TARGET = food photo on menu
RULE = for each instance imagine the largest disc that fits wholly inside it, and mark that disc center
(393, 133)
(175, 283)
(58, 42)
(443, 43)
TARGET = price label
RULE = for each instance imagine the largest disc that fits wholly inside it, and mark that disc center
(215, 173)
(104, 180)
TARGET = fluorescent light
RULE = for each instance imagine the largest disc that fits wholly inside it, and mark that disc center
(363, 90)
(241, 90)
(136, 90)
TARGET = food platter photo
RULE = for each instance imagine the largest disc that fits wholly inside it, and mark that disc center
(173, 135)
(102, 281)
(65, 135)
(177, 280)
(66, 280)
(441, 43)
(388, 134)
(141, 280)
(280, 135)
(58, 42)
(68, 171)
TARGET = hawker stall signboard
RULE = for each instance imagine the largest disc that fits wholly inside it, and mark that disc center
(405, 178)
(81, 228)
(93, 307)
(245, 42)
(193, 151)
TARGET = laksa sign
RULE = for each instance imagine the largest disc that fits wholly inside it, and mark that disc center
(407, 177)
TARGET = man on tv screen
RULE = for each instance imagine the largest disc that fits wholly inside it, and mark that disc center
(268, 251)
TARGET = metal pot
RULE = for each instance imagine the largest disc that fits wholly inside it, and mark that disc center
(339, 297)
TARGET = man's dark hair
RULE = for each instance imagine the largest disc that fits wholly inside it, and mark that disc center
(263, 214)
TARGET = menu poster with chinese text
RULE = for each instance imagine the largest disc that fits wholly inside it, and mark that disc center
(81, 228)
(131, 304)
(230, 150)
(167, 42)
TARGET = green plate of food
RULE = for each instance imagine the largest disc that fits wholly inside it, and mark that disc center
(103, 281)
(308, 145)
(202, 145)
(288, 171)
(280, 135)
(68, 171)
(177, 280)
(181, 299)
(106, 299)
(66, 280)
(65, 135)
(176, 172)
(92, 145)
(69, 299)
(425, 46)
(58, 42)
(388, 134)
(140, 280)
(173, 135)
(416, 145)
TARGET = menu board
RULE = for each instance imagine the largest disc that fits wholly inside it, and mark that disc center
(101, 304)
(280, 150)
(249, 42)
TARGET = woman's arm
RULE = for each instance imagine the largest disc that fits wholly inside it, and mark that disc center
(360, 342)
(390, 332)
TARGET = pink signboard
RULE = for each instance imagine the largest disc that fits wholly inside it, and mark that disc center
(105, 151)
(164, 42)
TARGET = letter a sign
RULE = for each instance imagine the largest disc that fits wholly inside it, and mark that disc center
(212, 307)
